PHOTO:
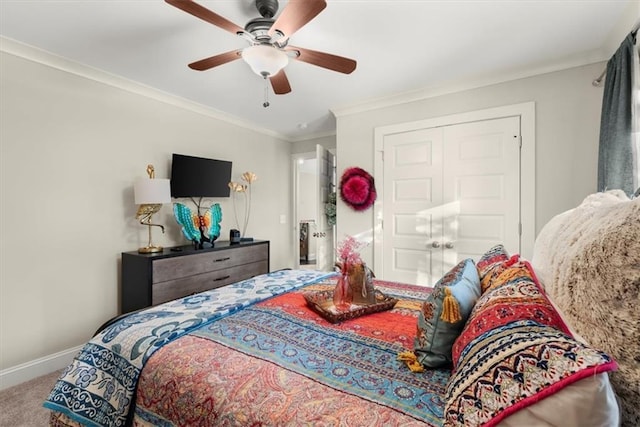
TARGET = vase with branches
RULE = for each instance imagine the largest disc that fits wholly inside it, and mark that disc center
(245, 189)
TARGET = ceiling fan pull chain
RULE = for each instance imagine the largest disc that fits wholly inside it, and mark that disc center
(265, 104)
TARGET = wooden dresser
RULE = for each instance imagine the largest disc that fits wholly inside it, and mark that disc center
(150, 279)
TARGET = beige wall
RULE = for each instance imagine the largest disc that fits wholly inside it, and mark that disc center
(70, 149)
(567, 131)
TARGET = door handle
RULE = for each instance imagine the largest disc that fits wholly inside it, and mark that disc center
(435, 244)
(448, 245)
(322, 234)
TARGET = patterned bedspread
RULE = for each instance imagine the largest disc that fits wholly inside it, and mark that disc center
(98, 388)
(253, 354)
(279, 363)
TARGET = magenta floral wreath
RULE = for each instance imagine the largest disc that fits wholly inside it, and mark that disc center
(357, 188)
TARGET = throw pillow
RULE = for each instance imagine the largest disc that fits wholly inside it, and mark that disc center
(491, 264)
(496, 255)
(442, 317)
(514, 350)
(513, 296)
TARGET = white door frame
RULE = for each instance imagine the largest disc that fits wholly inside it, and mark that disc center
(526, 111)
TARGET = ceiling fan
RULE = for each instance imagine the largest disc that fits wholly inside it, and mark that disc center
(269, 49)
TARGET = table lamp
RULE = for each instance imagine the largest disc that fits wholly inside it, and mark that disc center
(150, 193)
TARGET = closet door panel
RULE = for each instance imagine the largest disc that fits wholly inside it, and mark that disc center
(412, 214)
(482, 187)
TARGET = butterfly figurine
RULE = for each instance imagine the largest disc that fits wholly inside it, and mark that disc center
(199, 228)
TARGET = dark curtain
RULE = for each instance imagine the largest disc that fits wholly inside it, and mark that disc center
(615, 155)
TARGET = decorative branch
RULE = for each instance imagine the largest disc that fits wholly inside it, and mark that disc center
(236, 187)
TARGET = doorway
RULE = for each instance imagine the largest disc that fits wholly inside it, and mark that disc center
(306, 206)
(313, 235)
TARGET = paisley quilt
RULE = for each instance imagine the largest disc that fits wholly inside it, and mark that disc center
(279, 363)
(254, 354)
(97, 388)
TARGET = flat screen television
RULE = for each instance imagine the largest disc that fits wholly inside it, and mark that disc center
(199, 177)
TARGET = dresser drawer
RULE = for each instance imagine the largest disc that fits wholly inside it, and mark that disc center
(181, 267)
(150, 279)
(172, 289)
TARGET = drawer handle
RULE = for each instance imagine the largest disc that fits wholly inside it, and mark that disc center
(222, 259)
(221, 278)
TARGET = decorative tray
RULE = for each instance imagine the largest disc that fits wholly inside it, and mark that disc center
(322, 303)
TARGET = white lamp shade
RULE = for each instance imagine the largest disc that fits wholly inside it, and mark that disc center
(265, 60)
(150, 191)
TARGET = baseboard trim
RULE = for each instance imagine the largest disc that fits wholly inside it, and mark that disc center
(36, 368)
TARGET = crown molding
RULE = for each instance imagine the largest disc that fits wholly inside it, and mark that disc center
(317, 135)
(462, 85)
(31, 53)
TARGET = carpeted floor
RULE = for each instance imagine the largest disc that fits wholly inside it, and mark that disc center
(21, 405)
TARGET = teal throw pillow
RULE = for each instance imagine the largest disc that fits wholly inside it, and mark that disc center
(444, 314)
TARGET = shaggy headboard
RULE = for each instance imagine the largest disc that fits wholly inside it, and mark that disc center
(588, 259)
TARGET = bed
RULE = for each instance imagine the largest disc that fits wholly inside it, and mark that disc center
(255, 354)
(275, 362)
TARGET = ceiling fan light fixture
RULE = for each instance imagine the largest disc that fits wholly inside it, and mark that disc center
(265, 60)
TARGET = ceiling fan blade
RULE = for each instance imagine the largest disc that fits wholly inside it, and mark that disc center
(280, 83)
(214, 61)
(296, 14)
(324, 60)
(205, 14)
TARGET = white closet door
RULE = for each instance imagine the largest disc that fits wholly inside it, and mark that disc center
(449, 193)
(412, 217)
(481, 188)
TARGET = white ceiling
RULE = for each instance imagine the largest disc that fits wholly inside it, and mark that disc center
(400, 46)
